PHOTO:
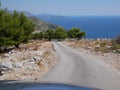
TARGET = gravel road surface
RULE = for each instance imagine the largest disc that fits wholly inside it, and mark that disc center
(76, 68)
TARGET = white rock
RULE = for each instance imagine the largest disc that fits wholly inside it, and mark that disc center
(32, 60)
(118, 50)
(29, 67)
(7, 64)
(20, 64)
(114, 51)
(37, 58)
(108, 47)
(98, 39)
(97, 46)
(6, 55)
(89, 47)
(40, 53)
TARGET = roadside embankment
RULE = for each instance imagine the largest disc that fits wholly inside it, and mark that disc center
(102, 50)
(30, 62)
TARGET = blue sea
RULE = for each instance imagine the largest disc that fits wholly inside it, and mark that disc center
(94, 26)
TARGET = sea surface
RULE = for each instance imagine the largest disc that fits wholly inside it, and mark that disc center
(94, 26)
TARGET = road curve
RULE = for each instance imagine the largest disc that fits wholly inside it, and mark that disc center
(73, 67)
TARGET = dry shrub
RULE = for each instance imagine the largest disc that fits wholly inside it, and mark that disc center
(41, 65)
(46, 54)
(103, 44)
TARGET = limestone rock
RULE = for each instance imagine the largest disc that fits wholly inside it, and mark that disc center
(6, 55)
(3, 69)
(7, 64)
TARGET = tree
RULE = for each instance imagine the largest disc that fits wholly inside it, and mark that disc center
(39, 35)
(6, 30)
(23, 28)
(81, 35)
(60, 33)
(50, 34)
(75, 33)
(15, 28)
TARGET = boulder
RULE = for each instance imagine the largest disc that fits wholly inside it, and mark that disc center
(89, 47)
(108, 47)
(11, 52)
(118, 50)
(30, 67)
(7, 64)
(97, 46)
(3, 69)
(114, 51)
(32, 60)
(6, 55)
(18, 64)
(36, 58)
(40, 53)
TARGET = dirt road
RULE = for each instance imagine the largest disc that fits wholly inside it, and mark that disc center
(79, 69)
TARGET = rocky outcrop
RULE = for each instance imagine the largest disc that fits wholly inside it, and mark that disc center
(27, 63)
(3, 69)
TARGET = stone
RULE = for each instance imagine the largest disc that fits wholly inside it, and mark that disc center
(36, 58)
(109, 47)
(6, 55)
(114, 51)
(32, 60)
(118, 50)
(97, 46)
(3, 69)
(19, 64)
(98, 39)
(7, 64)
(29, 67)
(89, 47)
(40, 53)
(12, 52)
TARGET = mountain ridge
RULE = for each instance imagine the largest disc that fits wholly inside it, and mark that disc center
(50, 16)
(40, 25)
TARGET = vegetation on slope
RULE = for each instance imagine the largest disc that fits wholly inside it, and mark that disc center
(41, 25)
(60, 34)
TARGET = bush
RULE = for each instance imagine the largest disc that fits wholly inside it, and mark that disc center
(103, 44)
(75, 33)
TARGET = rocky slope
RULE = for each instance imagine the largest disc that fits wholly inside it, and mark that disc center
(28, 63)
(40, 25)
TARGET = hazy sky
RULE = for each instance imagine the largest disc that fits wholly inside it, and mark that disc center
(65, 7)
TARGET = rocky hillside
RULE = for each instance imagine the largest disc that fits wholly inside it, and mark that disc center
(28, 63)
(49, 17)
(42, 25)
